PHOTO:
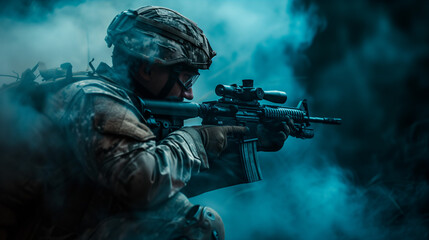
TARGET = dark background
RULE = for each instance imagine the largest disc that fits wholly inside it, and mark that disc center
(366, 62)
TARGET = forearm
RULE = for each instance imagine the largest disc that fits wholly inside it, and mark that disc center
(226, 170)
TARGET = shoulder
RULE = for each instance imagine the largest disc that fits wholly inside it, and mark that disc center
(87, 92)
(107, 108)
(97, 87)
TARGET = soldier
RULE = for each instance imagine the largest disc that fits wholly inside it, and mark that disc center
(118, 181)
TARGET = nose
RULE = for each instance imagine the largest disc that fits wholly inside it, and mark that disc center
(188, 94)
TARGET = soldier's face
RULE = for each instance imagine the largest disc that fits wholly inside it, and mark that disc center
(157, 78)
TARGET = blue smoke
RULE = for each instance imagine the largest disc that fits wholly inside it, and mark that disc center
(323, 188)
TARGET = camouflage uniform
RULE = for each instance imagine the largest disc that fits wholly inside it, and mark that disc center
(114, 179)
(120, 182)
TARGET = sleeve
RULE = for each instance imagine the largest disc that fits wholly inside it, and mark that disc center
(230, 168)
(119, 152)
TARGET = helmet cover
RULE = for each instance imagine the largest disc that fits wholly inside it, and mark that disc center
(161, 36)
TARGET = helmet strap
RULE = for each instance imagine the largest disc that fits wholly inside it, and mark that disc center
(172, 78)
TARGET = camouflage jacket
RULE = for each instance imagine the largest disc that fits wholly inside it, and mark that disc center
(114, 164)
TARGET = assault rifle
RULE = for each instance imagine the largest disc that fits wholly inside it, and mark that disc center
(239, 106)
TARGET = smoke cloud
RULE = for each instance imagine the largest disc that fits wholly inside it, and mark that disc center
(362, 61)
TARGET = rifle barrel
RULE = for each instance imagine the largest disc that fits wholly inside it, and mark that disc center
(326, 120)
(178, 109)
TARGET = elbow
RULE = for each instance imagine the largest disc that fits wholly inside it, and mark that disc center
(145, 186)
(139, 191)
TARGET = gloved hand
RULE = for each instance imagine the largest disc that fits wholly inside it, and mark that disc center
(215, 137)
(272, 135)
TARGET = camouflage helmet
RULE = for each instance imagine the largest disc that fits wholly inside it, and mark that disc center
(161, 36)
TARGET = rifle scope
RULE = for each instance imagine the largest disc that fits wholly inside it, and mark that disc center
(248, 93)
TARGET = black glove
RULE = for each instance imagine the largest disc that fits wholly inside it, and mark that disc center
(215, 137)
(273, 134)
